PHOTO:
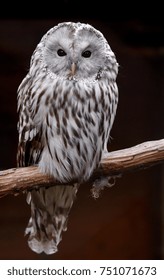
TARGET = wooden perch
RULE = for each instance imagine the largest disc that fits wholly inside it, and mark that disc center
(147, 154)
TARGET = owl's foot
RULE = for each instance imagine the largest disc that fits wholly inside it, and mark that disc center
(101, 183)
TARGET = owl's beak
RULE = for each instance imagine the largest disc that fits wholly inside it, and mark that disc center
(73, 68)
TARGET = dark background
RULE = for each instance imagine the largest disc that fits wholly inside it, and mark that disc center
(126, 222)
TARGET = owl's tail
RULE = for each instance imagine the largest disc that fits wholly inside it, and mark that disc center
(49, 213)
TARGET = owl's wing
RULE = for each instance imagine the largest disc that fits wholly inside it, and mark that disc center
(29, 146)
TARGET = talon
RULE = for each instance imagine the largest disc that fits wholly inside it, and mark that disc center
(101, 183)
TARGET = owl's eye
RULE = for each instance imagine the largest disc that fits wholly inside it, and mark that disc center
(60, 52)
(86, 54)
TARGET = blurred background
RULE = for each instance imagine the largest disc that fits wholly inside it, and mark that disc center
(127, 221)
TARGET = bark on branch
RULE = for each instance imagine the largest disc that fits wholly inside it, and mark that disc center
(145, 155)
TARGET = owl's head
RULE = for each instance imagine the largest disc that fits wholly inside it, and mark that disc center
(75, 51)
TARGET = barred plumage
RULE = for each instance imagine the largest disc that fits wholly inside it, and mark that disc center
(67, 104)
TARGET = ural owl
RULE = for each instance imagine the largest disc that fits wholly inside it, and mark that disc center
(66, 104)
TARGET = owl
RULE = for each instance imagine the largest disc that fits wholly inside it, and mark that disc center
(67, 104)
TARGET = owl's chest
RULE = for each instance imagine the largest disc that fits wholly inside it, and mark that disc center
(75, 128)
(76, 112)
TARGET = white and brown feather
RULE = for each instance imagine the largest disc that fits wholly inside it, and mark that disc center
(64, 122)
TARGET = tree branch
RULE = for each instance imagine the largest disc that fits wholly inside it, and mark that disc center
(145, 155)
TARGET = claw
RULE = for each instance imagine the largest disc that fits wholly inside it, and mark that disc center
(101, 183)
